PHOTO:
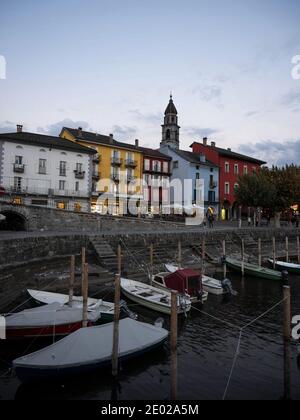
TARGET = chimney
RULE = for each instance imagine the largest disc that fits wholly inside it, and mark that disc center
(137, 142)
(213, 144)
(19, 128)
(111, 138)
(205, 141)
(80, 132)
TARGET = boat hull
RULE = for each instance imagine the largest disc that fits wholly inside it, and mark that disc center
(193, 299)
(280, 267)
(150, 305)
(254, 271)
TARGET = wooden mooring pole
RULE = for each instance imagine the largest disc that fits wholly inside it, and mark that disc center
(115, 347)
(259, 253)
(83, 257)
(224, 259)
(151, 262)
(287, 338)
(243, 258)
(179, 254)
(203, 256)
(287, 249)
(298, 249)
(72, 280)
(85, 291)
(173, 339)
(274, 253)
(119, 260)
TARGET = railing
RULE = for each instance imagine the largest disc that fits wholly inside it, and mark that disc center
(115, 161)
(131, 163)
(97, 158)
(79, 174)
(115, 177)
(49, 192)
(19, 168)
(213, 185)
(131, 178)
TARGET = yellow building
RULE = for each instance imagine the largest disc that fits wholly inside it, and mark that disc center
(116, 174)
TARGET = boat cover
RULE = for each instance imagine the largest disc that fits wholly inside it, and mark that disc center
(93, 345)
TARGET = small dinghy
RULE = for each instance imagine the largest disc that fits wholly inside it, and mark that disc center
(46, 298)
(254, 270)
(284, 266)
(153, 298)
(48, 320)
(89, 349)
(210, 285)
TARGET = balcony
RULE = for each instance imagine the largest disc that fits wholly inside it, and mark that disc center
(130, 163)
(79, 174)
(96, 176)
(19, 168)
(116, 161)
(131, 178)
(115, 177)
(213, 185)
(42, 170)
(97, 158)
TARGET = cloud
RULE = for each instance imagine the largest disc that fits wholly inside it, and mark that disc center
(251, 114)
(150, 118)
(7, 127)
(274, 153)
(200, 132)
(124, 132)
(208, 93)
(291, 99)
(55, 128)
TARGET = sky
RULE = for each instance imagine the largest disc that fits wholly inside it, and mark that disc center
(110, 65)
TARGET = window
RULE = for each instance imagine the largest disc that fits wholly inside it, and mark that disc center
(19, 160)
(236, 188)
(63, 168)
(236, 169)
(147, 164)
(17, 183)
(245, 170)
(77, 186)
(175, 164)
(79, 167)
(197, 168)
(61, 206)
(211, 196)
(42, 166)
(168, 135)
(197, 175)
(254, 170)
(227, 167)
(77, 207)
(62, 185)
(166, 167)
(156, 166)
(211, 169)
(17, 201)
(227, 188)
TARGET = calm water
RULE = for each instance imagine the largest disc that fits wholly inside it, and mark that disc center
(205, 354)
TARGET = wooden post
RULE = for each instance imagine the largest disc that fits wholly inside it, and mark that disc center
(224, 257)
(85, 287)
(243, 257)
(203, 256)
(287, 249)
(115, 348)
(119, 260)
(83, 257)
(298, 249)
(151, 262)
(259, 253)
(287, 338)
(179, 254)
(72, 280)
(173, 338)
(274, 253)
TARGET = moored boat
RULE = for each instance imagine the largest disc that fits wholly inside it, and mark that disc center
(153, 298)
(183, 281)
(284, 266)
(47, 321)
(89, 349)
(253, 270)
(210, 285)
(46, 298)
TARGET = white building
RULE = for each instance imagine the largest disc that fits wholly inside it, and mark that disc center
(45, 171)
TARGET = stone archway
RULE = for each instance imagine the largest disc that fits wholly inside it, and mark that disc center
(226, 210)
(16, 219)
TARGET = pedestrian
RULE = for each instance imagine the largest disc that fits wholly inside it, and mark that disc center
(249, 221)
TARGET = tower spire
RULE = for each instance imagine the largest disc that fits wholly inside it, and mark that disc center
(170, 128)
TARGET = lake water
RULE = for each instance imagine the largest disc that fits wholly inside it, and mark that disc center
(206, 348)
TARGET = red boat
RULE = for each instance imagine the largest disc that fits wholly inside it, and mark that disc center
(183, 281)
(47, 321)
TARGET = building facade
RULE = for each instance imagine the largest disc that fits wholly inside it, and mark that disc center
(188, 167)
(231, 165)
(45, 171)
(117, 171)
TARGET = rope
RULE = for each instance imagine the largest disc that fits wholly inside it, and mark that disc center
(237, 352)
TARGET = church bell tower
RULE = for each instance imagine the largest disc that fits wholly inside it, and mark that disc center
(170, 128)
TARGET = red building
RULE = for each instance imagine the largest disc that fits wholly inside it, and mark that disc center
(232, 165)
(156, 173)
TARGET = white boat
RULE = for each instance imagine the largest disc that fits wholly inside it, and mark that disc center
(48, 320)
(47, 298)
(210, 285)
(153, 298)
(281, 266)
(88, 349)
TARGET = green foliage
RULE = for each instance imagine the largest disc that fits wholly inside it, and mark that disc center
(275, 188)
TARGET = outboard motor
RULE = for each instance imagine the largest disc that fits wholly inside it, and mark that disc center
(159, 323)
(227, 287)
(127, 311)
(285, 276)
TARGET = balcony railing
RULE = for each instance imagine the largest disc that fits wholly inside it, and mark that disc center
(79, 174)
(130, 163)
(115, 177)
(96, 176)
(213, 185)
(19, 168)
(116, 161)
(97, 158)
(42, 170)
(131, 178)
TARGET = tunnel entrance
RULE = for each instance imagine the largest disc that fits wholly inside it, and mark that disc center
(13, 221)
